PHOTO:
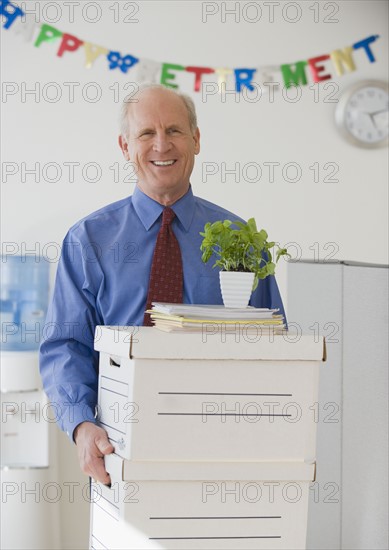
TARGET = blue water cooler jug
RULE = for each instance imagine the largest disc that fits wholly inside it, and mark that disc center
(24, 297)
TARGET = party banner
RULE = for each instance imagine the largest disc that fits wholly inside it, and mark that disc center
(148, 70)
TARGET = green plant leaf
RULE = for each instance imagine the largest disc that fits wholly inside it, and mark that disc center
(239, 246)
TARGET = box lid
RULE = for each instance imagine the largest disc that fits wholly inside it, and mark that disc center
(125, 470)
(150, 343)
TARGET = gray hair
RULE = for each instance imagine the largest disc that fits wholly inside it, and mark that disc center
(132, 98)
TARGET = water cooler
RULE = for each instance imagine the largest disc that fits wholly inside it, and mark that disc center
(30, 491)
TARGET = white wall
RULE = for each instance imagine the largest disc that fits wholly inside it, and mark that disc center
(352, 213)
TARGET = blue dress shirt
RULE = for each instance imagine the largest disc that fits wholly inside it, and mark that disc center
(102, 279)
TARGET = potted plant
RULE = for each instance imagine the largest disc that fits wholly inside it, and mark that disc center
(244, 256)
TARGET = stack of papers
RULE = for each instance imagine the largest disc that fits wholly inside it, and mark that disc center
(193, 317)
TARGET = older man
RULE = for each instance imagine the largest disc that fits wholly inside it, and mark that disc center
(104, 272)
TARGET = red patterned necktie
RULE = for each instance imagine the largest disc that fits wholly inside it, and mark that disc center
(166, 279)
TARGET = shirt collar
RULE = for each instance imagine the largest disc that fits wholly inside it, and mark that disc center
(150, 210)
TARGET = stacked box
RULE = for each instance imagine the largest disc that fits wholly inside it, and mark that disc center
(214, 439)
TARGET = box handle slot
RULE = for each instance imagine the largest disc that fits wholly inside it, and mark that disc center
(114, 362)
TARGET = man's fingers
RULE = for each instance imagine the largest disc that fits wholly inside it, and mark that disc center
(94, 467)
(98, 472)
(104, 445)
(92, 444)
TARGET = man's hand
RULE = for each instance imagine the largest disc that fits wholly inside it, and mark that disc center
(92, 444)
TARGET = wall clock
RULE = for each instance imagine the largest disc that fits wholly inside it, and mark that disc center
(362, 114)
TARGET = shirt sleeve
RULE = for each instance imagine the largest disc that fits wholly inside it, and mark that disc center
(68, 362)
(267, 295)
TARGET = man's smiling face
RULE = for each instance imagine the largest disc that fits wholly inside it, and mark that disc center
(161, 144)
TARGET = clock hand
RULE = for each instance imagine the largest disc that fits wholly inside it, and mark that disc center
(373, 116)
(374, 113)
(380, 119)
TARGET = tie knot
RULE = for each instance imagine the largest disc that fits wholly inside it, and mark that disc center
(168, 216)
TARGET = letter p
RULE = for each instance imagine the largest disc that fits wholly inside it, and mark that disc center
(209, 489)
(8, 488)
(208, 8)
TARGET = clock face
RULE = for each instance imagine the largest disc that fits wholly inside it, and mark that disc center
(362, 114)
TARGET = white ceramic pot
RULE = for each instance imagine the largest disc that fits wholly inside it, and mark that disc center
(236, 287)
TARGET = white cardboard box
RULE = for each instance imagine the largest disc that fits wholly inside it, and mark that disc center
(196, 397)
(194, 506)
